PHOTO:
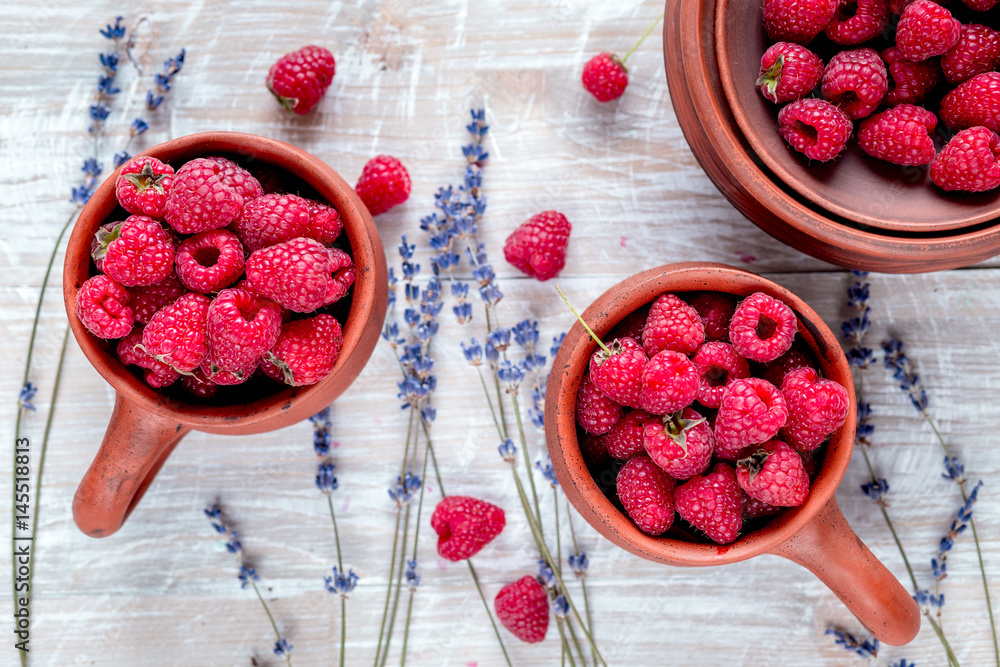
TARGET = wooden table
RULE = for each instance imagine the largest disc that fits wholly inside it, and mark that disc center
(163, 591)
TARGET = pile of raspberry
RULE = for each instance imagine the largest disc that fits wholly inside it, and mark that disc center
(216, 278)
(708, 409)
(889, 75)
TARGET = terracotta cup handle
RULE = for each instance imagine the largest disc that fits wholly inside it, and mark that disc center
(829, 548)
(135, 446)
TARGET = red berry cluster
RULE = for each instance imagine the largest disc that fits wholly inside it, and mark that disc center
(201, 281)
(710, 411)
(927, 46)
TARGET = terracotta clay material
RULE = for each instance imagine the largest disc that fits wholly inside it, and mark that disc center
(815, 534)
(747, 180)
(146, 425)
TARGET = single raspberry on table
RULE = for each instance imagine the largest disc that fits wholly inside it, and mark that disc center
(137, 251)
(272, 219)
(974, 102)
(102, 305)
(774, 474)
(240, 327)
(465, 525)
(176, 333)
(300, 78)
(788, 71)
(670, 382)
(970, 162)
(757, 509)
(977, 51)
(816, 408)
(712, 503)
(752, 411)
(523, 608)
(305, 352)
(797, 21)
(384, 183)
(856, 81)
(715, 310)
(300, 275)
(926, 29)
(605, 77)
(681, 443)
(538, 246)
(142, 186)
(210, 261)
(147, 299)
(762, 328)
(618, 372)
(775, 371)
(719, 364)
(909, 82)
(624, 440)
(200, 199)
(595, 412)
(900, 135)
(857, 21)
(325, 223)
(158, 374)
(815, 128)
(672, 324)
(646, 492)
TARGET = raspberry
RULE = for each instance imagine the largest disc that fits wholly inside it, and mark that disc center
(900, 135)
(969, 162)
(909, 82)
(712, 503)
(137, 251)
(855, 81)
(605, 77)
(305, 352)
(210, 261)
(103, 306)
(977, 51)
(271, 180)
(619, 374)
(594, 449)
(816, 408)
(757, 509)
(715, 310)
(538, 246)
(681, 443)
(465, 525)
(384, 183)
(237, 178)
(325, 224)
(672, 325)
(147, 299)
(630, 327)
(774, 474)
(624, 440)
(718, 365)
(775, 371)
(595, 412)
(926, 29)
(158, 374)
(815, 128)
(752, 411)
(176, 333)
(217, 376)
(300, 274)
(980, 5)
(142, 186)
(974, 102)
(788, 72)
(272, 219)
(299, 79)
(670, 382)
(198, 385)
(762, 328)
(646, 493)
(857, 21)
(523, 608)
(200, 199)
(797, 21)
(240, 328)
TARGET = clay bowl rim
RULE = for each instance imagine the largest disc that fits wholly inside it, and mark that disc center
(688, 56)
(570, 365)
(289, 404)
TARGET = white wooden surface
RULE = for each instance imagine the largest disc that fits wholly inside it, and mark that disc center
(162, 591)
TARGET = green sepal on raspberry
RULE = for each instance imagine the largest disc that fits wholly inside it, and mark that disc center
(147, 179)
(103, 238)
(676, 427)
(769, 79)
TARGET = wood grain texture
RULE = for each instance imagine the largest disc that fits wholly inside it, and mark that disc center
(163, 590)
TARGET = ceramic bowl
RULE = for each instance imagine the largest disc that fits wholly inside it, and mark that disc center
(855, 213)
(815, 534)
(147, 424)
